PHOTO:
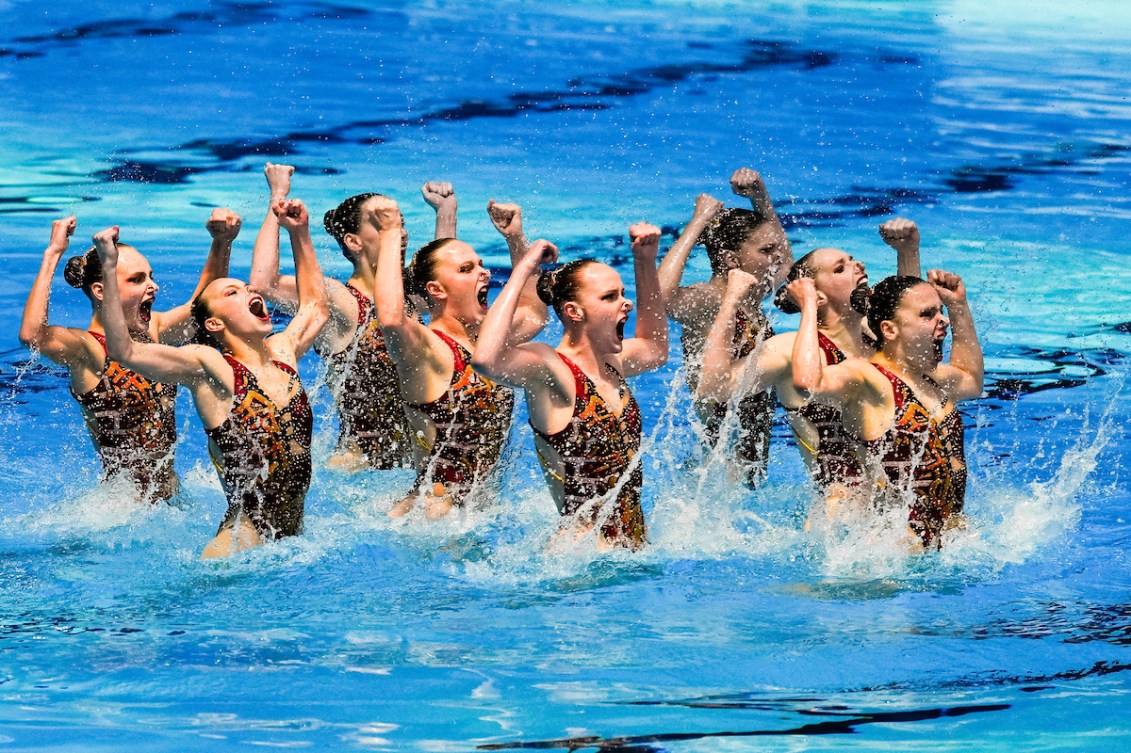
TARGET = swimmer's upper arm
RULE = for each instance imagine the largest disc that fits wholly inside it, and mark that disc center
(960, 385)
(62, 345)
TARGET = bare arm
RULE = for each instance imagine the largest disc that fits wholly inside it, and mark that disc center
(167, 363)
(59, 344)
(903, 235)
(313, 309)
(812, 378)
(675, 260)
(265, 277)
(965, 373)
(648, 350)
(722, 375)
(442, 197)
(748, 183)
(404, 334)
(530, 315)
(175, 326)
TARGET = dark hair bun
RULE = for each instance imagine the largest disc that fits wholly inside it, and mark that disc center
(329, 222)
(74, 271)
(545, 287)
(785, 303)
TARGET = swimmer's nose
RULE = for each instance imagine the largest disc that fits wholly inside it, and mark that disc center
(627, 305)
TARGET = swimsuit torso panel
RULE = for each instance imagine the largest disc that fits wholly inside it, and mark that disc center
(925, 456)
(472, 420)
(363, 380)
(133, 424)
(755, 411)
(595, 449)
(262, 452)
(835, 456)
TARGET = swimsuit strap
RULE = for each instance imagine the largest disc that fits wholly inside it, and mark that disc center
(900, 390)
(457, 351)
(364, 304)
(833, 354)
(580, 380)
(101, 338)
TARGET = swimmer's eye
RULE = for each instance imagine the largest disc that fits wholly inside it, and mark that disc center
(466, 267)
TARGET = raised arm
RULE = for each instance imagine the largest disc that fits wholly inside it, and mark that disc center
(530, 314)
(265, 278)
(964, 375)
(313, 310)
(442, 197)
(59, 344)
(176, 326)
(903, 235)
(675, 260)
(649, 348)
(722, 375)
(836, 384)
(166, 363)
(748, 183)
(495, 355)
(404, 334)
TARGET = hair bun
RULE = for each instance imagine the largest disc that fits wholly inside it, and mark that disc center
(329, 222)
(785, 303)
(545, 287)
(75, 271)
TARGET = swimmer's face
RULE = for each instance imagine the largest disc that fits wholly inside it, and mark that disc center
(919, 326)
(601, 306)
(461, 282)
(137, 288)
(235, 308)
(837, 275)
(766, 254)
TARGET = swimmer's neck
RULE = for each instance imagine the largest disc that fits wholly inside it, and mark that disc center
(846, 330)
(465, 333)
(252, 355)
(362, 279)
(576, 347)
(898, 361)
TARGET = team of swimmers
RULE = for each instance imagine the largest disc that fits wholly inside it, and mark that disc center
(423, 372)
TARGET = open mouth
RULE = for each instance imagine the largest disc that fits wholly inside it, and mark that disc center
(620, 329)
(258, 309)
(145, 311)
(481, 295)
(938, 345)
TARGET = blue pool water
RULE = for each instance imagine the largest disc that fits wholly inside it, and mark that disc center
(1003, 129)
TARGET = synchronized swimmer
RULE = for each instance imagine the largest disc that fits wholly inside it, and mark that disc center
(423, 371)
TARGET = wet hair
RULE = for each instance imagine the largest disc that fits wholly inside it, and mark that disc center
(803, 267)
(198, 309)
(886, 297)
(345, 219)
(83, 271)
(728, 230)
(560, 286)
(423, 268)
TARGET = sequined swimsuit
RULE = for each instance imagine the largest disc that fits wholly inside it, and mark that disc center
(595, 450)
(133, 423)
(363, 380)
(835, 456)
(472, 420)
(262, 452)
(755, 411)
(925, 456)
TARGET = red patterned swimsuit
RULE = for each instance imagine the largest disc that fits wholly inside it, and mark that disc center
(925, 457)
(837, 461)
(133, 423)
(262, 452)
(595, 450)
(472, 420)
(755, 411)
(363, 381)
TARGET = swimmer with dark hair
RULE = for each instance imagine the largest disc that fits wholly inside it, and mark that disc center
(842, 305)
(245, 386)
(754, 242)
(373, 428)
(587, 425)
(459, 419)
(130, 418)
(901, 405)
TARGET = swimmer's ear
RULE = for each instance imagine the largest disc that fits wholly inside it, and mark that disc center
(96, 290)
(435, 290)
(822, 299)
(353, 243)
(888, 330)
(573, 311)
(212, 324)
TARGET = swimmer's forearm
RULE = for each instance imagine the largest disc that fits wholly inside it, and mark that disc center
(265, 276)
(33, 327)
(907, 262)
(717, 375)
(495, 333)
(966, 351)
(388, 283)
(807, 359)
